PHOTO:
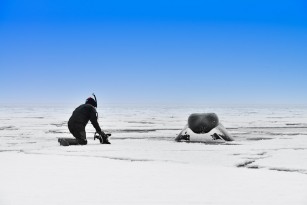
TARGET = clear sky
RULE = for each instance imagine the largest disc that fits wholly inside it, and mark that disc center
(154, 51)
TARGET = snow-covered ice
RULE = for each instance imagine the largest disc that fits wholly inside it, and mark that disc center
(266, 164)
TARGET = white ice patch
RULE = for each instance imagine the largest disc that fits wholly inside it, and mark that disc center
(266, 164)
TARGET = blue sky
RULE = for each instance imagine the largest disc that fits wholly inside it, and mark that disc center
(185, 52)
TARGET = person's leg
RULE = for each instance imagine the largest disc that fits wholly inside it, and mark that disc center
(68, 141)
(81, 137)
(78, 132)
(63, 141)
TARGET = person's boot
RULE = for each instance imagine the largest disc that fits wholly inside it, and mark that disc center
(67, 141)
(63, 142)
(72, 141)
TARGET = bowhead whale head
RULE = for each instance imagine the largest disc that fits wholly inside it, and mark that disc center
(202, 122)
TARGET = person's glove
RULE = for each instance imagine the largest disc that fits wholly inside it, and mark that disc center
(103, 138)
(102, 134)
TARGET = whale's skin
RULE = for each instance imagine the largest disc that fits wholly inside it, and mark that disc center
(203, 122)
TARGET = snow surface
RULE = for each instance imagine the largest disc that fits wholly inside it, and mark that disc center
(266, 164)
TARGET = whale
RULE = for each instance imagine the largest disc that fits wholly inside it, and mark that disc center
(204, 123)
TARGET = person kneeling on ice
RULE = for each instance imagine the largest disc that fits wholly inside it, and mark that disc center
(201, 123)
(79, 119)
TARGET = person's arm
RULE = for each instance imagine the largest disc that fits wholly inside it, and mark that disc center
(94, 121)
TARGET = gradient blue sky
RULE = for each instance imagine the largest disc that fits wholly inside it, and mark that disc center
(190, 52)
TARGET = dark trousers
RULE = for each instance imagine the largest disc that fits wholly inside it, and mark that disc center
(78, 131)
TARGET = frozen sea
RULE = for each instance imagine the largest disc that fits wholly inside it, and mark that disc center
(266, 164)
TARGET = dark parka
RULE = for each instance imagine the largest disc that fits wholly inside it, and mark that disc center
(80, 118)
